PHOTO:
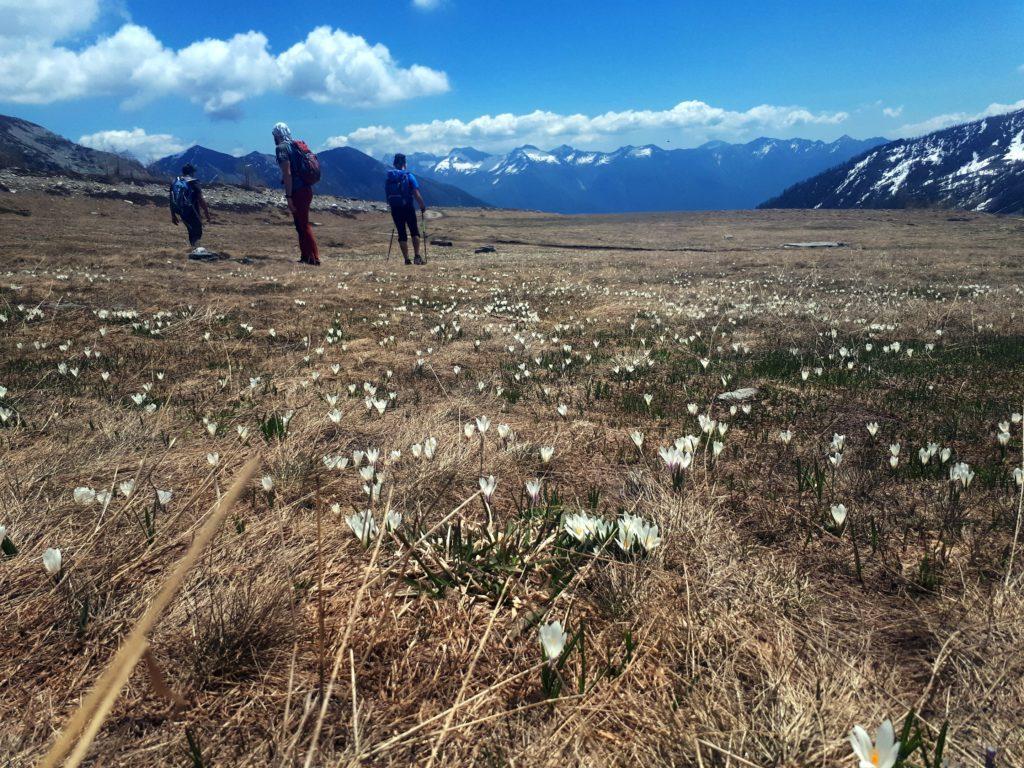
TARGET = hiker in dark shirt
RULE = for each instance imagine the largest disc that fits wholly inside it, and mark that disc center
(401, 188)
(186, 201)
(298, 194)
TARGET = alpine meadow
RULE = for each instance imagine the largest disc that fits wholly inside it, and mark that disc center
(371, 398)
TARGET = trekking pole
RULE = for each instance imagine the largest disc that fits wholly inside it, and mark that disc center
(423, 224)
(390, 243)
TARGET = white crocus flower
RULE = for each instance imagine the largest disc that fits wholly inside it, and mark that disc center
(533, 490)
(647, 536)
(468, 429)
(839, 514)
(577, 526)
(883, 753)
(1018, 476)
(638, 439)
(924, 455)
(429, 447)
(267, 483)
(363, 525)
(786, 436)
(483, 424)
(873, 428)
(627, 532)
(52, 561)
(546, 453)
(504, 431)
(334, 416)
(552, 640)
(563, 410)
(487, 486)
(164, 497)
(961, 472)
(213, 458)
(392, 519)
(127, 488)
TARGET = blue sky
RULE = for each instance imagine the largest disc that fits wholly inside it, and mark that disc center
(152, 77)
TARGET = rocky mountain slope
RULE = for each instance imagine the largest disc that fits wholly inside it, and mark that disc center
(32, 148)
(716, 175)
(976, 166)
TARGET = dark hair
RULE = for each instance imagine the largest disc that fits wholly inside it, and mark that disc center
(399, 160)
(188, 169)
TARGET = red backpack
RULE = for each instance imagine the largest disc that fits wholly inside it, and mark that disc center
(306, 163)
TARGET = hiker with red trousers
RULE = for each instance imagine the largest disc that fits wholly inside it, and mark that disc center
(300, 170)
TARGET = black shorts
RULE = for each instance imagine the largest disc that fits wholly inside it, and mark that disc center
(405, 216)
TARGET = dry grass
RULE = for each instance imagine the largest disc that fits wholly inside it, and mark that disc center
(756, 633)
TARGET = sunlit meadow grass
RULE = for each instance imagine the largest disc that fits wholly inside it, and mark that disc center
(534, 510)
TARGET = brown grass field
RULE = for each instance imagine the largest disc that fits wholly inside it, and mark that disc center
(757, 633)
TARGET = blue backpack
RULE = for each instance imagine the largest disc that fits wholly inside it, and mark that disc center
(181, 196)
(398, 188)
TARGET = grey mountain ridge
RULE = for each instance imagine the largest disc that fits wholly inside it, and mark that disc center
(33, 148)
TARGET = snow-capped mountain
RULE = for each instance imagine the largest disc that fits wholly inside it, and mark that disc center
(648, 178)
(977, 166)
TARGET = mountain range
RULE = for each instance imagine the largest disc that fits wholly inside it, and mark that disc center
(976, 166)
(715, 175)
(345, 172)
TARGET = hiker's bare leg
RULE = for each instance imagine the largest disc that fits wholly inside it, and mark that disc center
(416, 245)
(404, 245)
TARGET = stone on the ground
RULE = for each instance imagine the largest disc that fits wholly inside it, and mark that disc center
(744, 393)
(816, 244)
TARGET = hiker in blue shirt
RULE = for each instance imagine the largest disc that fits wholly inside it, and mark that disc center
(186, 200)
(401, 189)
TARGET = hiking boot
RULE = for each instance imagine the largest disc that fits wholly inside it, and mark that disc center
(407, 262)
(419, 260)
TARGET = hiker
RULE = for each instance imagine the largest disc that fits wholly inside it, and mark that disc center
(300, 170)
(401, 187)
(186, 200)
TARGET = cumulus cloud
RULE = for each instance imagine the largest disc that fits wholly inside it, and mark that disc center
(329, 66)
(136, 143)
(542, 127)
(892, 111)
(939, 122)
(45, 20)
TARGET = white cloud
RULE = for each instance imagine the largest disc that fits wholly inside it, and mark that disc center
(939, 122)
(892, 111)
(329, 66)
(45, 20)
(136, 142)
(498, 132)
(426, 5)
